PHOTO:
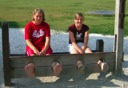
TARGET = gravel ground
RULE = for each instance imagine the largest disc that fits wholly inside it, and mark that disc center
(59, 43)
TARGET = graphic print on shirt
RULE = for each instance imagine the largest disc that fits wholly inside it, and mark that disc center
(38, 34)
(78, 36)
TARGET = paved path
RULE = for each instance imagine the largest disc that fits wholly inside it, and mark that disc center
(101, 12)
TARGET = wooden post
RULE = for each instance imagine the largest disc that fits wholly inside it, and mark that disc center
(99, 45)
(119, 30)
(6, 60)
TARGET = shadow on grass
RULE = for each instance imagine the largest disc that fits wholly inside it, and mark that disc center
(13, 24)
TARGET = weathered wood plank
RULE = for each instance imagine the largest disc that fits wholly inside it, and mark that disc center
(67, 70)
(68, 59)
(119, 30)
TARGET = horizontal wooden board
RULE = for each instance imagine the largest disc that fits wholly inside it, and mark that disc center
(64, 59)
(67, 70)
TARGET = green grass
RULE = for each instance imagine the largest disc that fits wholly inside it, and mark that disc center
(60, 13)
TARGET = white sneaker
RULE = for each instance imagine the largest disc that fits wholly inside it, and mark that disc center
(103, 66)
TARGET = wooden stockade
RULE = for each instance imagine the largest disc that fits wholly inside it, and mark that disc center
(13, 65)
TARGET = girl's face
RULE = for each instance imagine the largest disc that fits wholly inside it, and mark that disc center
(38, 18)
(78, 21)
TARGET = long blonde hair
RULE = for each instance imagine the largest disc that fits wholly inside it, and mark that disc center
(38, 10)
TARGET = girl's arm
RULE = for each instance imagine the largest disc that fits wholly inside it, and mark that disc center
(85, 44)
(30, 44)
(46, 46)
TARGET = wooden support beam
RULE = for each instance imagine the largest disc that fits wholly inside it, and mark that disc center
(119, 31)
(6, 59)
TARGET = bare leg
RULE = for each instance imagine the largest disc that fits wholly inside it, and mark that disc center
(88, 50)
(57, 68)
(73, 50)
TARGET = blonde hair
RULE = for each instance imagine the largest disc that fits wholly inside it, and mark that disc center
(38, 10)
(79, 14)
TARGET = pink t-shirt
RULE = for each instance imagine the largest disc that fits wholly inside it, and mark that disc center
(37, 33)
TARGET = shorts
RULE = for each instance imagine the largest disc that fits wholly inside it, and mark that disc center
(30, 52)
(71, 47)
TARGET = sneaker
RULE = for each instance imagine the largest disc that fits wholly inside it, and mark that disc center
(103, 65)
(80, 66)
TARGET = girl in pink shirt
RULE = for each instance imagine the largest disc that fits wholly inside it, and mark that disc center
(37, 37)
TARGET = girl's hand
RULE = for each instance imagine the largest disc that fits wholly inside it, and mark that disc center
(81, 51)
(37, 52)
(42, 53)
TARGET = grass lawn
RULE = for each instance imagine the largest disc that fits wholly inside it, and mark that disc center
(60, 13)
